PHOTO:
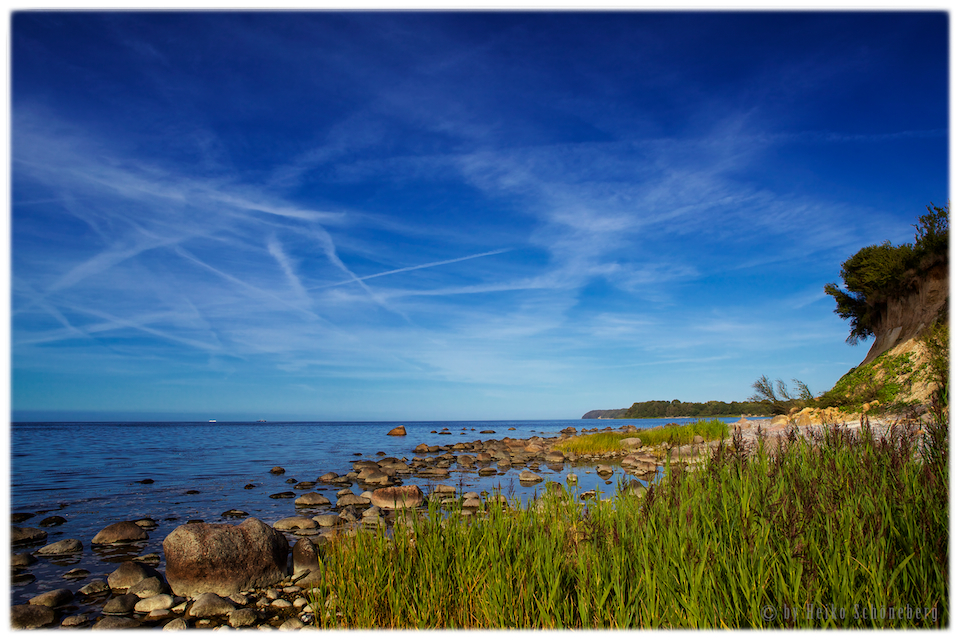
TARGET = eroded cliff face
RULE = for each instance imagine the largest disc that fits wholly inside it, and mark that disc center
(906, 317)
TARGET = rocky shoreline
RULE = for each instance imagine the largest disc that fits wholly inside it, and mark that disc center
(372, 494)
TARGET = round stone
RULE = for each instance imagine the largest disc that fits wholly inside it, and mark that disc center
(119, 532)
(53, 599)
(62, 548)
(312, 499)
(160, 601)
(294, 522)
(120, 605)
(26, 535)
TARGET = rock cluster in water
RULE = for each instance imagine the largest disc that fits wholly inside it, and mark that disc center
(245, 575)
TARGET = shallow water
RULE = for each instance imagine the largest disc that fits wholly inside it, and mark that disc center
(91, 473)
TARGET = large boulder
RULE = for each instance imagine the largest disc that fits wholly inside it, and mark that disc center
(405, 497)
(223, 558)
(398, 431)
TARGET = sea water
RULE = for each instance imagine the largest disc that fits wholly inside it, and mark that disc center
(92, 474)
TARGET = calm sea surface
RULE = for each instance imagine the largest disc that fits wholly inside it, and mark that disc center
(90, 473)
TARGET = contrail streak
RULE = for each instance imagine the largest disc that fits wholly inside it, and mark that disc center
(414, 268)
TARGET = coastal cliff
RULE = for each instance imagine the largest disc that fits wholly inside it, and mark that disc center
(903, 318)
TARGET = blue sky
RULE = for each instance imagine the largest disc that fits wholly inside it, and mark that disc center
(441, 216)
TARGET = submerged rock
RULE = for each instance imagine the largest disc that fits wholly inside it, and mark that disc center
(529, 477)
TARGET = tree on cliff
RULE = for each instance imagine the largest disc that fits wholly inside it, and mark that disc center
(879, 272)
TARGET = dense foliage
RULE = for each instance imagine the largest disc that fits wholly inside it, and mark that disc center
(879, 272)
(678, 409)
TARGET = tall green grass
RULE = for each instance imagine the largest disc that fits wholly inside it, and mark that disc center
(839, 523)
(607, 441)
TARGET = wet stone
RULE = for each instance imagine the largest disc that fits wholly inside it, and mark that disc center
(29, 616)
(150, 559)
(120, 605)
(116, 622)
(21, 560)
(62, 548)
(95, 587)
(76, 574)
(52, 521)
(26, 535)
(78, 620)
(53, 599)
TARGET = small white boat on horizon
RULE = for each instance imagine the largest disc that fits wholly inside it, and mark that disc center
(213, 421)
